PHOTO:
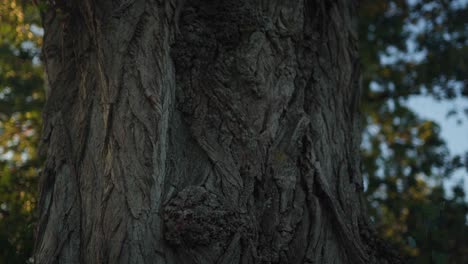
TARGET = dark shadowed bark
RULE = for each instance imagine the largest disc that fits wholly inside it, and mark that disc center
(203, 131)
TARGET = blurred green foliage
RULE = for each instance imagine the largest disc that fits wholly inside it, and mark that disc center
(21, 99)
(413, 48)
(408, 48)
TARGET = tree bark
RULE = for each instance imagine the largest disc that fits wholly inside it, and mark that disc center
(203, 131)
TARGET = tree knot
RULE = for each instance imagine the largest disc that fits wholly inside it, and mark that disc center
(198, 217)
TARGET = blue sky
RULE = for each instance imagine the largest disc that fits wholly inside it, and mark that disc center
(455, 134)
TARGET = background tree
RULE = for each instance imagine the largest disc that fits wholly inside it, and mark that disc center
(21, 99)
(412, 48)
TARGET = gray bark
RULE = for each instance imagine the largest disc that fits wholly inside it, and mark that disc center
(203, 132)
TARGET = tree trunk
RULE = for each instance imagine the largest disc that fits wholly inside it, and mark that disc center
(203, 131)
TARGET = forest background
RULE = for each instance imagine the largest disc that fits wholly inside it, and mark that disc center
(414, 60)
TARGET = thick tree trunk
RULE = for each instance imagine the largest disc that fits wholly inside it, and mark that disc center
(202, 131)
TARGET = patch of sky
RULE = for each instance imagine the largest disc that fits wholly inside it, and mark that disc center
(453, 130)
(36, 30)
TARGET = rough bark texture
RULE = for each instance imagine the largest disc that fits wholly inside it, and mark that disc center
(203, 131)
